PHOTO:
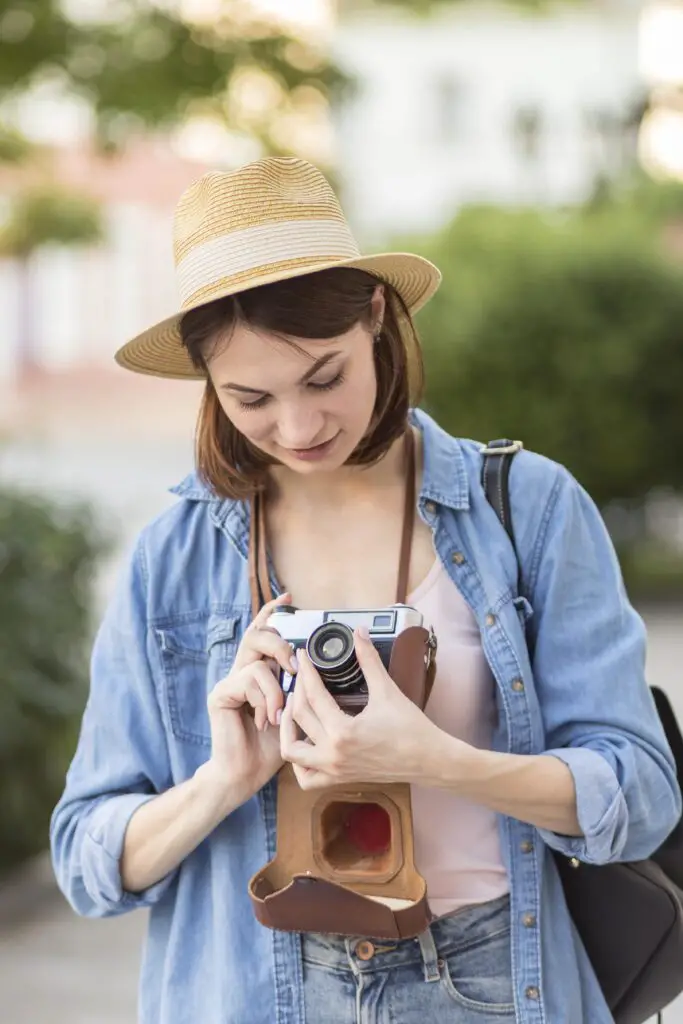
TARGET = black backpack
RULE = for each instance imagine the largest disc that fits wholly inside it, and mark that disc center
(629, 915)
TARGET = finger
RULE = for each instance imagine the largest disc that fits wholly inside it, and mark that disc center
(254, 684)
(289, 733)
(263, 680)
(265, 643)
(300, 753)
(304, 715)
(292, 748)
(262, 616)
(230, 693)
(245, 654)
(309, 778)
(261, 717)
(316, 694)
(376, 676)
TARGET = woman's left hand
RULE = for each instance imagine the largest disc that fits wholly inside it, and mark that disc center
(391, 740)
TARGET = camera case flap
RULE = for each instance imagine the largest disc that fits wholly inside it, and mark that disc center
(345, 859)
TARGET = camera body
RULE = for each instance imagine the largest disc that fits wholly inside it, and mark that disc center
(345, 861)
(327, 637)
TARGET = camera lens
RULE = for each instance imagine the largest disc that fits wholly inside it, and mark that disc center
(330, 648)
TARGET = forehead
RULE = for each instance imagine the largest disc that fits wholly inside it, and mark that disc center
(248, 355)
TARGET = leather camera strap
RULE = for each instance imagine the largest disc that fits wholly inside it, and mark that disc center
(259, 578)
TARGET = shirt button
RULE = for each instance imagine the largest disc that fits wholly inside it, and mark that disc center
(529, 921)
(518, 685)
(430, 507)
(490, 620)
(457, 557)
(526, 846)
(532, 992)
(365, 950)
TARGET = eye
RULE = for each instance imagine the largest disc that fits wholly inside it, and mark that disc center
(258, 404)
(328, 384)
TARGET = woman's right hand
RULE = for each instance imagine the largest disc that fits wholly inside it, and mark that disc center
(245, 707)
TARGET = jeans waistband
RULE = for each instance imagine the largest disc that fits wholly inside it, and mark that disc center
(447, 935)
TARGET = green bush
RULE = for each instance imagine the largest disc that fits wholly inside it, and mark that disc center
(48, 557)
(564, 330)
(653, 571)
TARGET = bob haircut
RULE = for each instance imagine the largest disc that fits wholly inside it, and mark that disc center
(322, 305)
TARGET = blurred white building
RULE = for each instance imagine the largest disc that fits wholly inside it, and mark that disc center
(483, 103)
(85, 302)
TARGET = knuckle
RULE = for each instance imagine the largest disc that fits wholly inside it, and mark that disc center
(341, 735)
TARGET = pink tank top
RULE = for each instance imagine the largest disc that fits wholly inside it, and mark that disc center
(457, 845)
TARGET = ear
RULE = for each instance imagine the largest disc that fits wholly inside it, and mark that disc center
(378, 305)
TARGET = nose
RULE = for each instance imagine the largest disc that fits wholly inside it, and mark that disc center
(300, 425)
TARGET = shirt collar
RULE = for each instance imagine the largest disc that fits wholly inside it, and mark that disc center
(444, 476)
(444, 473)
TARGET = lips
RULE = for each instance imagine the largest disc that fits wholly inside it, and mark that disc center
(317, 451)
(313, 448)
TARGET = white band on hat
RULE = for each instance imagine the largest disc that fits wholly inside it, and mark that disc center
(260, 246)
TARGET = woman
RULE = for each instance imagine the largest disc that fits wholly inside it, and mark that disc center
(312, 368)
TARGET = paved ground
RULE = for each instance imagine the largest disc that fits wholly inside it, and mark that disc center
(56, 968)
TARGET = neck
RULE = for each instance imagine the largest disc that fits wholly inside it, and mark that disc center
(347, 482)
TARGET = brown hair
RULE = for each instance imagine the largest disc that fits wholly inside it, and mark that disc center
(321, 305)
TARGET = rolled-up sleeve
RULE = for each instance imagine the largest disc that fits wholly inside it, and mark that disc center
(121, 760)
(588, 657)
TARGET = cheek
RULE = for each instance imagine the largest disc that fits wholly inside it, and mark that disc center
(253, 424)
(362, 397)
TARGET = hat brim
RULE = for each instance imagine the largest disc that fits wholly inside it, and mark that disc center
(159, 350)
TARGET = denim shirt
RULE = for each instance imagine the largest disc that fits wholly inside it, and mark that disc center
(171, 632)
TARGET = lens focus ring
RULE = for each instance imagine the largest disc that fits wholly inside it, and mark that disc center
(331, 649)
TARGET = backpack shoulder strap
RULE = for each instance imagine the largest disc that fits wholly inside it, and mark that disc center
(495, 475)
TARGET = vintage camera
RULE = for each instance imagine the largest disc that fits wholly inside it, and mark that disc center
(345, 861)
(327, 637)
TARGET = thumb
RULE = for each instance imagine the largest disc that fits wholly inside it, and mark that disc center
(376, 676)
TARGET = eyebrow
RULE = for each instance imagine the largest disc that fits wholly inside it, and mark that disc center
(311, 372)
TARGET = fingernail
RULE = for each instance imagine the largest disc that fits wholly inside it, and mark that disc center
(278, 716)
(362, 632)
(294, 664)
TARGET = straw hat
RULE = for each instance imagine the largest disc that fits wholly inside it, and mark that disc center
(268, 221)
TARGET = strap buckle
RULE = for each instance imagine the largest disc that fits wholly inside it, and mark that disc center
(510, 449)
(431, 645)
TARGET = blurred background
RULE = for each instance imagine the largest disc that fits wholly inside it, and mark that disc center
(533, 150)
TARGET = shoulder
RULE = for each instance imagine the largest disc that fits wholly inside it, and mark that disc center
(545, 498)
(182, 552)
(171, 530)
(529, 469)
(534, 478)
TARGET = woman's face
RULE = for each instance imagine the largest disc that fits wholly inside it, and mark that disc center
(306, 405)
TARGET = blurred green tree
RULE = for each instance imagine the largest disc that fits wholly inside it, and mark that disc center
(142, 65)
(564, 330)
(47, 560)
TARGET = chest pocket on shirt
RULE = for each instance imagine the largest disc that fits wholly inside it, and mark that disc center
(195, 654)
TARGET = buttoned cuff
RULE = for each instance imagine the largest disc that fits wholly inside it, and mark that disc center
(101, 855)
(601, 808)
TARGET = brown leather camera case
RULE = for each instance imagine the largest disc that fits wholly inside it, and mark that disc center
(319, 879)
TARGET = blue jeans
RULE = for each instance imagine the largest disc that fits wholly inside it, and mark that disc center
(457, 972)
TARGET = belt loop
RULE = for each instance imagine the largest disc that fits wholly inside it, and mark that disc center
(430, 957)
